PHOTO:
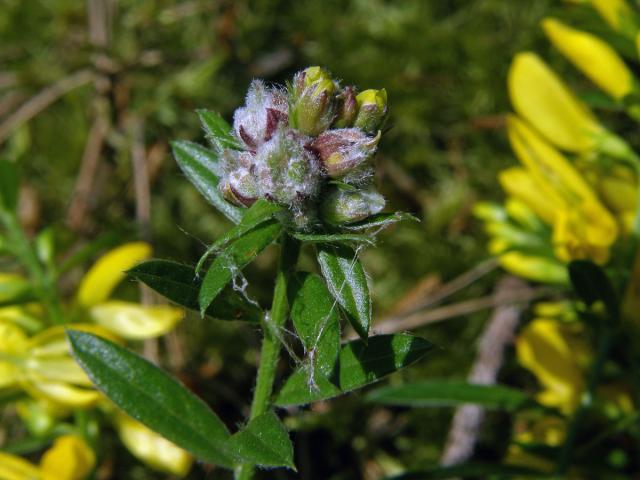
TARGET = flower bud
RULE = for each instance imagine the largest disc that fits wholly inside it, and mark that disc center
(265, 108)
(348, 206)
(344, 149)
(372, 109)
(239, 188)
(313, 110)
(348, 108)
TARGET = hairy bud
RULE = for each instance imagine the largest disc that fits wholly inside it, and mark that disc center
(265, 108)
(344, 149)
(348, 206)
(372, 110)
(240, 188)
(313, 106)
(348, 108)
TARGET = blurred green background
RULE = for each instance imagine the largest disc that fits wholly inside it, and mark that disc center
(87, 89)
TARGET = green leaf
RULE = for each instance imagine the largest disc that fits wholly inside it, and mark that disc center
(380, 220)
(15, 290)
(335, 238)
(315, 318)
(592, 284)
(265, 442)
(201, 167)
(450, 394)
(180, 284)
(359, 364)
(261, 211)
(471, 470)
(234, 259)
(347, 283)
(152, 397)
(9, 184)
(218, 131)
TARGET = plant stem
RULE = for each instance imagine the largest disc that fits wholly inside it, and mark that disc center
(20, 246)
(604, 346)
(271, 325)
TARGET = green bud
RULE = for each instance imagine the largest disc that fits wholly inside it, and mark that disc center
(348, 206)
(372, 110)
(313, 101)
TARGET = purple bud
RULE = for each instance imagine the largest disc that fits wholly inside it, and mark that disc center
(348, 108)
(344, 149)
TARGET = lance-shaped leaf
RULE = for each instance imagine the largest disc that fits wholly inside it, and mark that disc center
(201, 167)
(261, 211)
(347, 283)
(315, 318)
(234, 258)
(359, 364)
(179, 283)
(152, 397)
(218, 131)
(451, 393)
(265, 442)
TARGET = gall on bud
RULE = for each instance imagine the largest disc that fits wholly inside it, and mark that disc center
(265, 109)
(312, 105)
(347, 206)
(347, 109)
(372, 110)
(343, 150)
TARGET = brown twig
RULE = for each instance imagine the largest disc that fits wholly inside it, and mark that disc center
(42, 100)
(498, 333)
(417, 320)
(80, 201)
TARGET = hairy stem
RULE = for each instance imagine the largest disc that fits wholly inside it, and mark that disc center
(271, 326)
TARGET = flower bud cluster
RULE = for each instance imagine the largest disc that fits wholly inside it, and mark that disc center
(308, 147)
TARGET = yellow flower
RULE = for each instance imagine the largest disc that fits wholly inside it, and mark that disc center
(151, 448)
(540, 97)
(596, 59)
(583, 227)
(550, 352)
(48, 371)
(616, 13)
(125, 319)
(68, 459)
(536, 268)
(519, 183)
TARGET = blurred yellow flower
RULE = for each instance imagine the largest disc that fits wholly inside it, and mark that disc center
(126, 319)
(536, 268)
(541, 98)
(583, 227)
(552, 354)
(151, 448)
(596, 59)
(68, 459)
(616, 13)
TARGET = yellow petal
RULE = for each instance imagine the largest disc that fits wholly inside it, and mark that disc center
(108, 271)
(70, 458)
(542, 348)
(136, 322)
(541, 98)
(538, 269)
(616, 13)
(13, 340)
(519, 183)
(13, 467)
(62, 394)
(596, 59)
(151, 448)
